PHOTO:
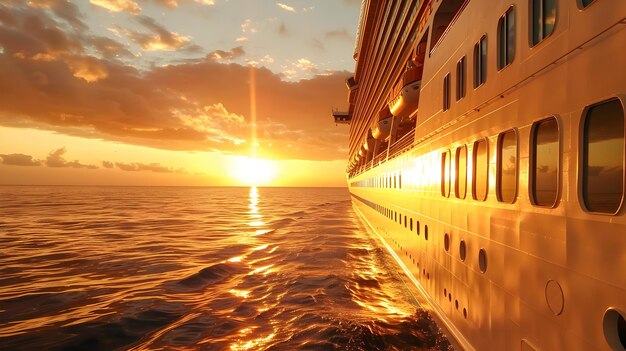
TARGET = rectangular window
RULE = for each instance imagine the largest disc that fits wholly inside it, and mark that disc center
(445, 174)
(481, 170)
(544, 162)
(543, 19)
(460, 181)
(460, 79)
(480, 62)
(446, 92)
(507, 167)
(506, 39)
(603, 157)
(585, 3)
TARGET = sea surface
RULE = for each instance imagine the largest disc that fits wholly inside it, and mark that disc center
(184, 268)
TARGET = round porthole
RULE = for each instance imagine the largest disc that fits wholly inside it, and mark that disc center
(614, 325)
(426, 232)
(462, 250)
(482, 260)
(456, 304)
(464, 312)
(446, 242)
(417, 224)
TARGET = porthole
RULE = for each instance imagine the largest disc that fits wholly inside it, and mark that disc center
(418, 227)
(482, 260)
(405, 221)
(450, 297)
(426, 232)
(446, 242)
(462, 250)
(445, 292)
(614, 325)
(411, 224)
(464, 312)
(456, 304)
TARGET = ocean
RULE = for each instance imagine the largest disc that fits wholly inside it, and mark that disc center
(199, 268)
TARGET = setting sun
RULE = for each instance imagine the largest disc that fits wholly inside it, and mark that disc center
(253, 171)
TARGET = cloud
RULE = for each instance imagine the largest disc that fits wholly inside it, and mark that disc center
(338, 34)
(19, 160)
(158, 38)
(153, 167)
(109, 48)
(318, 45)
(108, 164)
(63, 9)
(175, 3)
(118, 5)
(222, 55)
(56, 160)
(286, 7)
(195, 105)
(282, 29)
(87, 68)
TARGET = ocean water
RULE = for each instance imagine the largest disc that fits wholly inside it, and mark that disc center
(150, 268)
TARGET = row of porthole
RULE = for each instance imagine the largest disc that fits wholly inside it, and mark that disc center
(456, 302)
(614, 322)
(482, 253)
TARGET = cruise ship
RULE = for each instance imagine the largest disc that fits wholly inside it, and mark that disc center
(486, 151)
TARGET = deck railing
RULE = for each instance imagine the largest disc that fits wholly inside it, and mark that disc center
(401, 146)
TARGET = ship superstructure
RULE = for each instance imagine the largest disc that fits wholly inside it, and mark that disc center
(487, 151)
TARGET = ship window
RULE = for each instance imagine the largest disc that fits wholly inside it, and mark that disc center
(480, 62)
(603, 157)
(544, 162)
(506, 39)
(446, 14)
(411, 224)
(507, 167)
(480, 171)
(543, 19)
(446, 92)
(460, 78)
(460, 181)
(585, 3)
(445, 174)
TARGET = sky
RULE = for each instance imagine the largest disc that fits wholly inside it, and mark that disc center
(174, 92)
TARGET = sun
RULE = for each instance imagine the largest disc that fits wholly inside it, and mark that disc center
(252, 171)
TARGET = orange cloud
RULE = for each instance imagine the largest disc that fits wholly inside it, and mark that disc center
(159, 38)
(196, 105)
(136, 166)
(19, 160)
(118, 5)
(55, 159)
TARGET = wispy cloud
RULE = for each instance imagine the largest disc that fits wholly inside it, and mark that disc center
(338, 34)
(152, 167)
(129, 6)
(158, 38)
(286, 7)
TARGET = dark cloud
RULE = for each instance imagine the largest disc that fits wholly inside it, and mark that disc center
(153, 167)
(158, 37)
(109, 48)
(19, 160)
(318, 45)
(108, 164)
(63, 9)
(282, 29)
(56, 160)
(232, 54)
(338, 34)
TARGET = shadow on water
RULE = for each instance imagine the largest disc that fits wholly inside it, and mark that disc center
(206, 269)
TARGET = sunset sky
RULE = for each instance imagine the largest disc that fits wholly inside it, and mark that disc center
(166, 92)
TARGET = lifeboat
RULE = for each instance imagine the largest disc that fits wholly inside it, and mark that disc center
(382, 128)
(368, 145)
(407, 96)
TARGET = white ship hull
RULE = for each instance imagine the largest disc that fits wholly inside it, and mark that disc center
(510, 275)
